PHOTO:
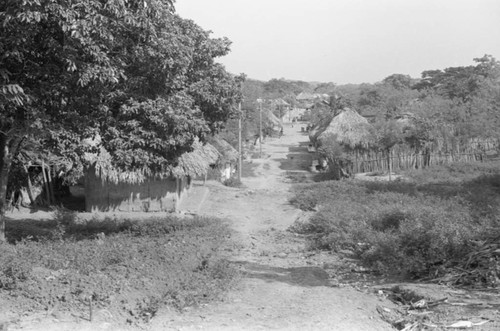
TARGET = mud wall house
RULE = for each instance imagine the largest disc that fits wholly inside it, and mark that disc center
(308, 100)
(107, 189)
(228, 159)
(305, 96)
(290, 114)
(286, 116)
(272, 124)
(281, 107)
(149, 194)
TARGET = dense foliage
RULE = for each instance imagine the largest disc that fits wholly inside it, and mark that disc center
(463, 102)
(423, 227)
(132, 72)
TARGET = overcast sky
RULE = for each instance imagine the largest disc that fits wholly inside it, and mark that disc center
(348, 41)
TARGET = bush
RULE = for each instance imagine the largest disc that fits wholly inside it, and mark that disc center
(419, 238)
(453, 173)
(400, 227)
(130, 267)
(309, 196)
(233, 182)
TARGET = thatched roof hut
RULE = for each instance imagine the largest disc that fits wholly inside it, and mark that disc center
(102, 166)
(352, 130)
(272, 119)
(318, 129)
(305, 96)
(197, 162)
(108, 188)
(194, 163)
(227, 152)
(280, 102)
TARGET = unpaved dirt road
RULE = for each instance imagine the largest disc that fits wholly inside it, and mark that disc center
(283, 287)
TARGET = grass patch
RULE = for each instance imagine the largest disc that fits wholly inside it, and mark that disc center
(233, 182)
(132, 268)
(417, 228)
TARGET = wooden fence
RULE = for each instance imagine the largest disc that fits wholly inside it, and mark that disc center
(403, 157)
(379, 161)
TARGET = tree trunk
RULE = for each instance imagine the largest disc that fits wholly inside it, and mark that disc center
(389, 164)
(4, 175)
(8, 148)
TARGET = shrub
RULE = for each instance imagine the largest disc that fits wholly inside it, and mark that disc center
(418, 238)
(232, 182)
(453, 173)
(397, 227)
(309, 196)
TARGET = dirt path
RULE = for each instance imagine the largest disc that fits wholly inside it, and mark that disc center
(284, 287)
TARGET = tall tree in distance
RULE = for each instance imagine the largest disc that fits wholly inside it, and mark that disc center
(462, 83)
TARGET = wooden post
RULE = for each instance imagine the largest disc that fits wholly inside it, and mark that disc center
(356, 170)
(239, 144)
(260, 130)
(389, 163)
(51, 185)
(45, 183)
(30, 186)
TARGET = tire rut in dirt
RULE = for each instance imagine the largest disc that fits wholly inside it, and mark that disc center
(301, 276)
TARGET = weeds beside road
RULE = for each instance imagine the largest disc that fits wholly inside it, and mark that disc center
(130, 268)
(422, 227)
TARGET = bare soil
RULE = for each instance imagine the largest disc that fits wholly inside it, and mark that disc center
(283, 285)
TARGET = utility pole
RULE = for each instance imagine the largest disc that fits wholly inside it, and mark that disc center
(239, 144)
(260, 127)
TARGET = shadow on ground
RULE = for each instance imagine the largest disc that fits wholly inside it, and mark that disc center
(302, 276)
(248, 169)
(298, 158)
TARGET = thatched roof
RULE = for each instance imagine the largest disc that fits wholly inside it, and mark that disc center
(34, 154)
(315, 131)
(228, 152)
(319, 128)
(352, 130)
(272, 119)
(194, 163)
(197, 162)
(103, 167)
(305, 96)
(280, 102)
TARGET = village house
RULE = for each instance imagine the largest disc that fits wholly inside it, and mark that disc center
(107, 189)
(228, 160)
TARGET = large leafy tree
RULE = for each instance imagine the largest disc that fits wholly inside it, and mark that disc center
(463, 101)
(387, 99)
(399, 81)
(133, 72)
(462, 83)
